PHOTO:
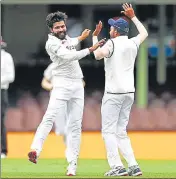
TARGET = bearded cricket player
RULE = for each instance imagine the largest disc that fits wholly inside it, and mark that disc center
(119, 54)
(67, 95)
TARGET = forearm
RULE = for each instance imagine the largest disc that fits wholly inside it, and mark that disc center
(99, 52)
(80, 38)
(95, 40)
(140, 27)
(72, 56)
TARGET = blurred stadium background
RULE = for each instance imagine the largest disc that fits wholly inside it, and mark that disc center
(154, 110)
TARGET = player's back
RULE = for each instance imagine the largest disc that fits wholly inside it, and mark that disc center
(120, 66)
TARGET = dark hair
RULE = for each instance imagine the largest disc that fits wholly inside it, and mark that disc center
(55, 17)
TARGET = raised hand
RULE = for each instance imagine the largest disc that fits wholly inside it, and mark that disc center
(98, 29)
(128, 10)
(84, 34)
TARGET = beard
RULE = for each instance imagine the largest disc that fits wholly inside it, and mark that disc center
(60, 35)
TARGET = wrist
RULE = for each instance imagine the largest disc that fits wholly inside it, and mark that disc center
(90, 49)
(80, 38)
(133, 18)
(95, 37)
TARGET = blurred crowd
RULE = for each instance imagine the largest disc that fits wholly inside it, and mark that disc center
(159, 115)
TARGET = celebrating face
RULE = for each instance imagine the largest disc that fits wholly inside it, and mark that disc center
(59, 29)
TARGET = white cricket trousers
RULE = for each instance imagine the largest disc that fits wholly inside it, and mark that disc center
(115, 112)
(67, 99)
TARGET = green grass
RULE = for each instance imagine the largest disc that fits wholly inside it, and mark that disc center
(55, 168)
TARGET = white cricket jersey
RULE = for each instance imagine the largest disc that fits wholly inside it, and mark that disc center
(65, 57)
(7, 69)
(119, 65)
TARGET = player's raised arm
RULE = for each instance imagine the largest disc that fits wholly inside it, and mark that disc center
(84, 35)
(129, 12)
(100, 53)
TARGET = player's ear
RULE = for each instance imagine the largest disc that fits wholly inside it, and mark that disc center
(51, 29)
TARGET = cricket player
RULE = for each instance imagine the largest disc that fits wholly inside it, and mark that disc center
(67, 95)
(7, 77)
(119, 55)
(47, 85)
